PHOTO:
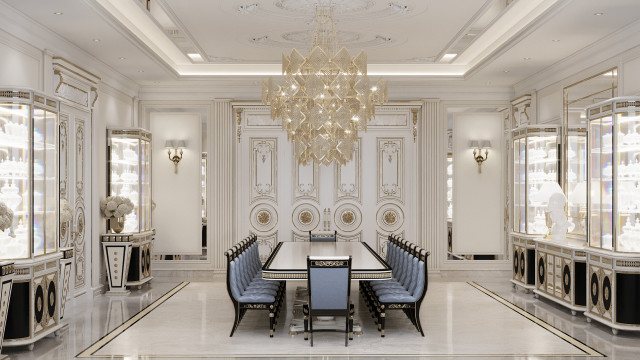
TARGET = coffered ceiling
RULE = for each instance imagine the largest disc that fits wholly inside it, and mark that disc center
(476, 42)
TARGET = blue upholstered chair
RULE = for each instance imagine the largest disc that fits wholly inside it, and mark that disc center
(323, 236)
(329, 284)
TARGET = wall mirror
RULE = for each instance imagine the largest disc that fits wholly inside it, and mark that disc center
(576, 98)
(198, 174)
(475, 190)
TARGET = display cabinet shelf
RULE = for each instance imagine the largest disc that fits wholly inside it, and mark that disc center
(29, 186)
(128, 254)
(535, 163)
(613, 188)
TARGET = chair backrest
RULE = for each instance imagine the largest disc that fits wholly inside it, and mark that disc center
(329, 282)
(323, 236)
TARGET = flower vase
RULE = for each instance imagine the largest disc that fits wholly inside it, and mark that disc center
(117, 224)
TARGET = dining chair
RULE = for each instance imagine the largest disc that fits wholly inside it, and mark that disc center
(323, 236)
(329, 284)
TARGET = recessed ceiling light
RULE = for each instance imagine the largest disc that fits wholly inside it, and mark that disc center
(96, 40)
(598, 14)
(122, 58)
(57, 13)
(140, 71)
(526, 59)
(195, 56)
(471, 34)
(448, 57)
(505, 71)
(555, 40)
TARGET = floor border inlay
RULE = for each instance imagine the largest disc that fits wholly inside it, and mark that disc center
(589, 351)
(88, 352)
(91, 350)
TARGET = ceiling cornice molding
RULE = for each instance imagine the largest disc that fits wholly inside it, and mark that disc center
(248, 91)
(517, 16)
(131, 37)
(26, 29)
(603, 53)
(521, 35)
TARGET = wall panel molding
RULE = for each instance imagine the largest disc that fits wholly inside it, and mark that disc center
(432, 143)
(222, 163)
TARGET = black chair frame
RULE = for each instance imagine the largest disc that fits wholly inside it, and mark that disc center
(378, 309)
(335, 236)
(309, 312)
(241, 308)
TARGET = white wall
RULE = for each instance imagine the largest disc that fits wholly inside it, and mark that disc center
(478, 198)
(177, 217)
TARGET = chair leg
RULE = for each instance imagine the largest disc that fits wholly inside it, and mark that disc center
(236, 320)
(382, 321)
(305, 311)
(272, 325)
(311, 328)
(351, 314)
(417, 317)
(346, 330)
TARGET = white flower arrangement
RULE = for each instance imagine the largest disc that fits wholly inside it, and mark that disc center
(6, 216)
(116, 206)
(66, 213)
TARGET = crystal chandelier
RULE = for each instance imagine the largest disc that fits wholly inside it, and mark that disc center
(325, 98)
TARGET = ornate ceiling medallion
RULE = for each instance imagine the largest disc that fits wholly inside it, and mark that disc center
(325, 98)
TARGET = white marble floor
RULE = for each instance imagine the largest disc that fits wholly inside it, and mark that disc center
(460, 321)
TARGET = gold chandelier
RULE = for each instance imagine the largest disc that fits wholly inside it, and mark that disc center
(325, 98)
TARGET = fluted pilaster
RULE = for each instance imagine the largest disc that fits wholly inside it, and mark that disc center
(222, 181)
(432, 143)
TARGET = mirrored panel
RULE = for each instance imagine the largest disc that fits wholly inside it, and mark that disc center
(203, 181)
(464, 174)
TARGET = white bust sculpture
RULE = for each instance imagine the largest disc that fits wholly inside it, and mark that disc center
(560, 225)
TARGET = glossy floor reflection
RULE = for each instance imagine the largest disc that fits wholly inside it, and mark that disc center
(460, 322)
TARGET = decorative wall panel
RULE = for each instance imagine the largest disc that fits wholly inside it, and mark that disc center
(299, 237)
(77, 90)
(359, 200)
(79, 235)
(264, 169)
(381, 242)
(306, 181)
(264, 217)
(390, 169)
(305, 217)
(64, 175)
(350, 238)
(348, 217)
(348, 182)
(266, 244)
(390, 217)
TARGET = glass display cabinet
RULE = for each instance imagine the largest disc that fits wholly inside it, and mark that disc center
(535, 176)
(129, 175)
(561, 265)
(575, 181)
(29, 189)
(614, 213)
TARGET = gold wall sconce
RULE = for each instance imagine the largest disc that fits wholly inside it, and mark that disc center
(175, 145)
(478, 146)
